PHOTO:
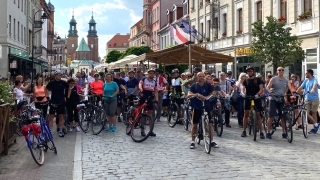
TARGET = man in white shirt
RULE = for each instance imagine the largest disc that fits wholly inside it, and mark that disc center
(90, 77)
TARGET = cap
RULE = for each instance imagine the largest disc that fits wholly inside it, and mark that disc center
(57, 72)
(213, 74)
(183, 74)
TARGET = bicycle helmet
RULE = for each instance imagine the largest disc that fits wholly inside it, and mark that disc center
(197, 69)
(175, 71)
(157, 70)
(249, 67)
(57, 72)
(151, 70)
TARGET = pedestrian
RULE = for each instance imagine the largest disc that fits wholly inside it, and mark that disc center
(72, 101)
(227, 88)
(161, 83)
(240, 100)
(110, 91)
(41, 96)
(165, 100)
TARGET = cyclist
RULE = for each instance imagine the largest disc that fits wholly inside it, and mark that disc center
(293, 98)
(96, 87)
(132, 86)
(57, 100)
(148, 87)
(193, 80)
(310, 84)
(279, 86)
(252, 87)
(201, 89)
(122, 91)
(161, 83)
(177, 90)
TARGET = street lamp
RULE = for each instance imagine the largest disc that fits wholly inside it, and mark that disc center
(38, 25)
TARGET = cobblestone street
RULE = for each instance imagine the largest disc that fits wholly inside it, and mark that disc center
(113, 155)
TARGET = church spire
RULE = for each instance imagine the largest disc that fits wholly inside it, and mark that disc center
(73, 26)
(92, 27)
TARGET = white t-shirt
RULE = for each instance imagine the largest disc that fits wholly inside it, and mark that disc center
(19, 94)
(90, 79)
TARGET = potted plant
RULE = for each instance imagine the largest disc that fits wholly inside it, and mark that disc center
(207, 39)
(305, 15)
(200, 40)
(224, 34)
(282, 19)
(239, 31)
(201, 4)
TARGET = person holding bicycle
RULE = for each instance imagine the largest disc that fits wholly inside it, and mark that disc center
(41, 96)
(96, 88)
(310, 86)
(57, 101)
(132, 86)
(161, 84)
(277, 88)
(177, 91)
(148, 88)
(72, 101)
(200, 89)
(252, 86)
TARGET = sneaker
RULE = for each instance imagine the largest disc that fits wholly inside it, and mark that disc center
(316, 128)
(284, 135)
(78, 129)
(312, 131)
(119, 119)
(61, 134)
(192, 146)
(215, 145)
(71, 129)
(268, 135)
(262, 136)
(228, 125)
(244, 134)
(143, 134)
(153, 134)
(114, 128)
(109, 128)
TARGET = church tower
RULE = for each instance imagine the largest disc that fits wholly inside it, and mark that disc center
(93, 40)
(72, 41)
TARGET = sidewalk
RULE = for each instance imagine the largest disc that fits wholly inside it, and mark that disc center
(20, 165)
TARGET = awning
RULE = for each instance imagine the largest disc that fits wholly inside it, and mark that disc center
(180, 55)
(20, 57)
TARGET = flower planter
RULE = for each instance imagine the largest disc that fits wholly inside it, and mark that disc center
(239, 32)
(305, 15)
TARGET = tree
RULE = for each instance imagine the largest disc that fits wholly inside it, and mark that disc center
(273, 43)
(136, 51)
(113, 56)
(168, 69)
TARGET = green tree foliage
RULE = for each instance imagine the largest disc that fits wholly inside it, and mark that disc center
(168, 69)
(274, 44)
(136, 51)
(113, 56)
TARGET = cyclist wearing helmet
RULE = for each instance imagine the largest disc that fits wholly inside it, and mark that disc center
(161, 84)
(251, 87)
(177, 90)
(148, 88)
(57, 101)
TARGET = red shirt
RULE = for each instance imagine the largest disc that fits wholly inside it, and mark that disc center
(97, 87)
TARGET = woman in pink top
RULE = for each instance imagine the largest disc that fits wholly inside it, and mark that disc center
(41, 96)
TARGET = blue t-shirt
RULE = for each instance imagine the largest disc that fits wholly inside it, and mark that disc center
(109, 90)
(131, 84)
(307, 86)
(204, 90)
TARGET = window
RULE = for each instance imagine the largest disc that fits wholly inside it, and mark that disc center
(14, 28)
(185, 9)
(208, 29)
(201, 3)
(91, 45)
(22, 5)
(283, 8)
(18, 3)
(25, 37)
(224, 18)
(259, 10)
(72, 45)
(240, 19)
(21, 31)
(201, 29)
(54, 58)
(60, 58)
(10, 35)
(192, 5)
(307, 5)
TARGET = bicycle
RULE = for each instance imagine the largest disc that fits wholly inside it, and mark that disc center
(89, 113)
(40, 137)
(187, 113)
(204, 133)
(217, 117)
(264, 114)
(173, 109)
(252, 123)
(303, 114)
(138, 118)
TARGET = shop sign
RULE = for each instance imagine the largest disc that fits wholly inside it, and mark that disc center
(243, 51)
(69, 61)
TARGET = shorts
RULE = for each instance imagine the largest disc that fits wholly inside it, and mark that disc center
(110, 107)
(179, 101)
(312, 105)
(165, 102)
(149, 104)
(257, 103)
(57, 108)
(273, 107)
(196, 116)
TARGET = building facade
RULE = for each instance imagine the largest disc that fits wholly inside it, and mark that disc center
(135, 38)
(230, 31)
(93, 40)
(60, 49)
(118, 42)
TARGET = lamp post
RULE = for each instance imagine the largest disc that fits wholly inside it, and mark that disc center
(39, 25)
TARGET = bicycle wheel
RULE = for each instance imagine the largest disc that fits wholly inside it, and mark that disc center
(288, 126)
(83, 121)
(304, 120)
(264, 119)
(19, 127)
(172, 116)
(154, 112)
(129, 125)
(206, 135)
(124, 113)
(254, 125)
(98, 121)
(250, 123)
(218, 124)
(187, 120)
(139, 130)
(37, 152)
(51, 145)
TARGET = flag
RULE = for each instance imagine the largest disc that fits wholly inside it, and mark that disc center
(174, 35)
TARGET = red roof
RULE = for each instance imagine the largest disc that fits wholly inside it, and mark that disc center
(119, 40)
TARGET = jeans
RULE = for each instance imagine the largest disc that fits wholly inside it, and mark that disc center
(227, 110)
(240, 110)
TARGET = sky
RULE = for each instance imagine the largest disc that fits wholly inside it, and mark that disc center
(111, 16)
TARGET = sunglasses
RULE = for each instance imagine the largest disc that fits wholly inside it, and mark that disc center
(281, 70)
(215, 83)
(96, 76)
(250, 71)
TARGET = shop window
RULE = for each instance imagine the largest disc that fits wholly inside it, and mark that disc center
(311, 55)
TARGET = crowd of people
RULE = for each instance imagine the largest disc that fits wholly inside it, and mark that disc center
(114, 88)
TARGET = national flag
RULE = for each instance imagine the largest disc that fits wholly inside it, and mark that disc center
(174, 35)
